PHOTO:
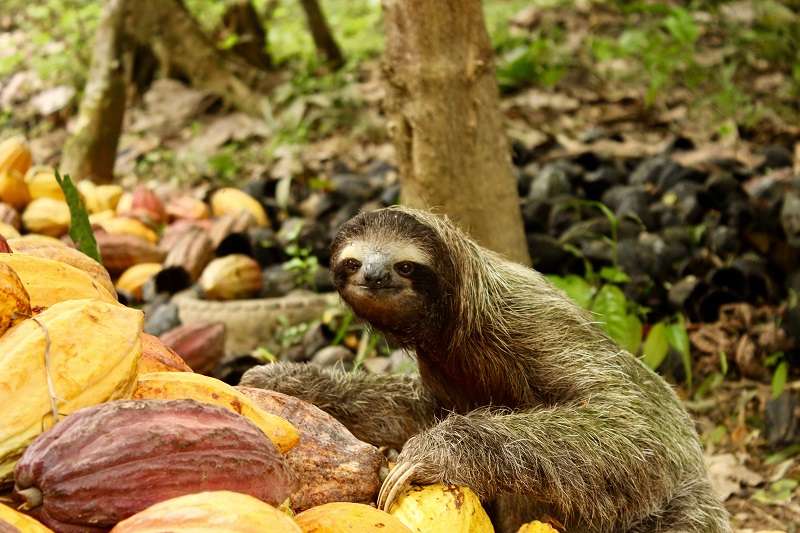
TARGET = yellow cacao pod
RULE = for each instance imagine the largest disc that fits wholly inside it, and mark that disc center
(47, 216)
(441, 509)
(8, 231)
(232, 200)
(13, 297)
(537, 527)
(134, 278)
(93, 357)
(15, 155)
(180, 385)
(22, 522)
(58, 251)
(129, 226)
(231, 277)
(48, 281)
(336, 517)
(218, 511)
(42, 183)
(13, 189)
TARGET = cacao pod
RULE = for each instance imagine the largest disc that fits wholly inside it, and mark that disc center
(187, 207)
(58, 251)
(42, 183)
(441, 509)
(47, 216)
(108, 196)
(231, 277)
(9, 215)
(239, 222)
(105, 463)
(12, 521)
(232, 200)
(129, 226)
(134, 278)
(158, 357)
(120, 252)
(220, 511)
(146, 206)
(48, 281)
(200, 344)
(537, 527)
(331, 463)
(177, 385)
(93, 357)
(191, 250)
(15, 155)
(13, 189)
(336, 517)
(8, 231)
(13, 298)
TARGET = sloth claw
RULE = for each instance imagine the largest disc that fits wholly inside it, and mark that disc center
(394, 484)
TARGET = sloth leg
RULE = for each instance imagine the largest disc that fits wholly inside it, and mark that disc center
(381, 409)
(598, 467)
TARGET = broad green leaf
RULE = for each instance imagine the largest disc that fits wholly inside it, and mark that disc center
(80, 230)
(611, 308)
(656, 346)
(614, 275)
(679, 339)
(576, 288)
(779, 379)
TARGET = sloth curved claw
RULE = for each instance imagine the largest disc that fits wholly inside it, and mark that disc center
(394, 484)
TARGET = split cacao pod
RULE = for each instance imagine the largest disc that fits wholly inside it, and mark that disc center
(336, 517)
(13, 298)
(441, 509)
(134, 278)
(93, 357)
(105, 463)
(232, 200)
(191, 250)
(331, 463)
(158, 357)
(49, 281)
(200, 344)
(220, 511)
(58, 251)
(15, 154)
(177, 385)
(231, 277)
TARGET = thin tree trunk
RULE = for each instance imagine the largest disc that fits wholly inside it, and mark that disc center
(91, 150)
(241, 19)
(442, 105)
(323, 38)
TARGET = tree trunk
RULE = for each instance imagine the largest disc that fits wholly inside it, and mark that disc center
(178, 41)
(92, 149)
(442, 105)
(323, 38)
(241, 19)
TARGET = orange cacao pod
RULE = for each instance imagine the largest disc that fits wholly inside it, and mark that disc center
(15, 155)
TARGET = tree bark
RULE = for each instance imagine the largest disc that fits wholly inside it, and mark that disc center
(442, 106)
(178, 41)
(241, 19)
(91, 150)
(323, 38)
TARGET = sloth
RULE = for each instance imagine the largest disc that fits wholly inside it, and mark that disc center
(519, 394)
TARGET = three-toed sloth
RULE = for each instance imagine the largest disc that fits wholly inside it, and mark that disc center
(520, 395)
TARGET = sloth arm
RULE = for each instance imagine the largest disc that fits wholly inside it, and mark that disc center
(599, 462)
(381, 409)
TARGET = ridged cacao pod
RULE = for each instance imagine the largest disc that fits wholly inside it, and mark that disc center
(58, 251)
(221, 511)
(105, 463)
(537, 527)
(200, 344)
(337, 517)
(178, 385)
(42, 183)
(134, 278)
(120, 252)
(441, 509)
(331, 463)
(12, 521)
(48, 281)
(129, 226)
(158, 357)
(232, 200)
(15, 154)
(146, 206)
(47, 216)
(239, 222)
(232, 277)
(191, 250)
(13, 297)
(187, 207)
(13, 189)
(93, 357)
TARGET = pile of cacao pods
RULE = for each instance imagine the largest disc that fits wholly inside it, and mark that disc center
(106, 428)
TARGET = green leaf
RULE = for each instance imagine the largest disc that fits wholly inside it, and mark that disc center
(80, 230)
(611, 306)
(656, 346)
(614, 275)
(779, 379)
(779, 492)
(783, 455)
(576, 288)
(678, 338)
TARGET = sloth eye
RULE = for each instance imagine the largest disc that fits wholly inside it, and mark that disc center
(405, 268)
(352, 265)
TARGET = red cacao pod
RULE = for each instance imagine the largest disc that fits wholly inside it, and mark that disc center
(200, 344)
(107, 462)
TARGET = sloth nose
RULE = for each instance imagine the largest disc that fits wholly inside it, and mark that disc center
(376, 275)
